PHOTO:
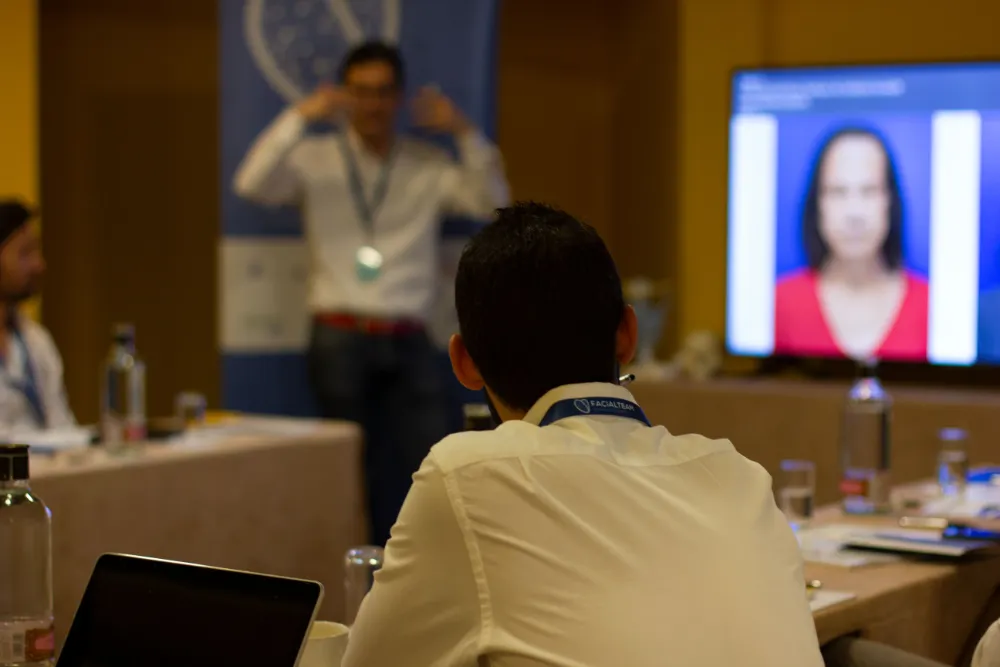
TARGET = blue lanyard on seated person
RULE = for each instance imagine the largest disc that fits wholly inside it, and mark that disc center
(28, 385)
(594, 407)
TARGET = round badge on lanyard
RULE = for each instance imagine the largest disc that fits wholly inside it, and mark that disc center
(368, 263)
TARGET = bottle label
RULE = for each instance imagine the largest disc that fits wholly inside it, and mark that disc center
(40, 645)
(854, 487)
(32, 645)
(135, 432)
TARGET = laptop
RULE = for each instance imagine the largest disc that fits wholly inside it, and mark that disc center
(149, 612)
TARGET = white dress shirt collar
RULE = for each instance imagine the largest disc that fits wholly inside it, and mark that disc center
(585, 390)
(358, 146)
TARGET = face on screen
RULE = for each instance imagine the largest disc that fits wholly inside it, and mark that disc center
(854, 198)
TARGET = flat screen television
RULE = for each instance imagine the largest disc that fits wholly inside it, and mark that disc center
(864, 213)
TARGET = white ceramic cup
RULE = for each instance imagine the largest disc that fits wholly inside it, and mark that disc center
(326, 645)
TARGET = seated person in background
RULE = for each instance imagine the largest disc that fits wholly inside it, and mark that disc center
(576, 533)
(32, 395)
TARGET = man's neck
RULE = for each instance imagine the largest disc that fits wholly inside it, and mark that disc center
(380, 145)
(862, 273)
(503, 412)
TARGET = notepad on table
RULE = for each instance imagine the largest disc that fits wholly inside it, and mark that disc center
(917, 542)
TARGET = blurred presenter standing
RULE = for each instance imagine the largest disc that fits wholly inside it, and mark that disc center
(372, 203)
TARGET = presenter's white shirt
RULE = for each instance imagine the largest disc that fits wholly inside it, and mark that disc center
(596, 541)
(16, 414)
(287, 166)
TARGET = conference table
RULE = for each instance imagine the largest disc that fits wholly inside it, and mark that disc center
(934, 608)
(930, 609)
(285, 497)
(268, 495)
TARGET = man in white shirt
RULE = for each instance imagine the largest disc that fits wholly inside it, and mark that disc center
(372, 203)
(32, 394)
(576, 533)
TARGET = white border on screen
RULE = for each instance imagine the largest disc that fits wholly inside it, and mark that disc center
(753, 178)
(954, 240)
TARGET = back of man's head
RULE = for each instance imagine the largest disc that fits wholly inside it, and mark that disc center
(539, 304)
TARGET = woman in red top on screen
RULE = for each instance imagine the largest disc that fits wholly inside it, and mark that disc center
(856, 299)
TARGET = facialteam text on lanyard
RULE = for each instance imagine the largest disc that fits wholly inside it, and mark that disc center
(367, 260)
(599, 406)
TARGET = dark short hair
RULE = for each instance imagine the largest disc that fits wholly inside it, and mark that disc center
(14, 214)
(539, 303)
(816, 248)
(374, 52)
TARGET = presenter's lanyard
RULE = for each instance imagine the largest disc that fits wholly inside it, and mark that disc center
(28, 385)
(368, 259)
(594, 407)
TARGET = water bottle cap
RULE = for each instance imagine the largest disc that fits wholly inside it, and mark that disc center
(123, 331)
(868, 367)
(13, 462)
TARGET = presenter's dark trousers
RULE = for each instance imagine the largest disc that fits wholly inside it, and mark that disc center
(385, 376)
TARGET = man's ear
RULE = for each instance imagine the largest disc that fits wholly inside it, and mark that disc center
(462, 365)
(627, 338)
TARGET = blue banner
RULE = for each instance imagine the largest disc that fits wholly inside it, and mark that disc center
(272, 53)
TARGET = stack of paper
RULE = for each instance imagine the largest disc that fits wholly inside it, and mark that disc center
(53, 440)
(822, 599)
(828, 545)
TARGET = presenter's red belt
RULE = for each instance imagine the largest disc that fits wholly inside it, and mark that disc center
(369, 325)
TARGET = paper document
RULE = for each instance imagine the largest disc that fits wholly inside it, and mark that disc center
(823, 599)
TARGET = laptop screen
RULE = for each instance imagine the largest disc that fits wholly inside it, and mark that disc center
(139, 611)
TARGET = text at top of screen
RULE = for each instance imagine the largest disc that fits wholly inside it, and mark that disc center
(867, 88)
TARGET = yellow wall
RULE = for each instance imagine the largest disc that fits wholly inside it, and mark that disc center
(719, 35)
(19, 110)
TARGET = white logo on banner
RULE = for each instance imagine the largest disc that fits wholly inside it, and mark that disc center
(296, 44)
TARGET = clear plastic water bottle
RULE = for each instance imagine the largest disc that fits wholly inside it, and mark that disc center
(953, 461)
(360, 566)
(26, 621)
(865, 446)
(123, 391)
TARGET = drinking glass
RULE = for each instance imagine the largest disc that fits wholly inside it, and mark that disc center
(953, 461)
(796, 491)
(190, 408)
(360, 566)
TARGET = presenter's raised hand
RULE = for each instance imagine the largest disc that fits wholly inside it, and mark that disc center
(327, 102)
(434, 111)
